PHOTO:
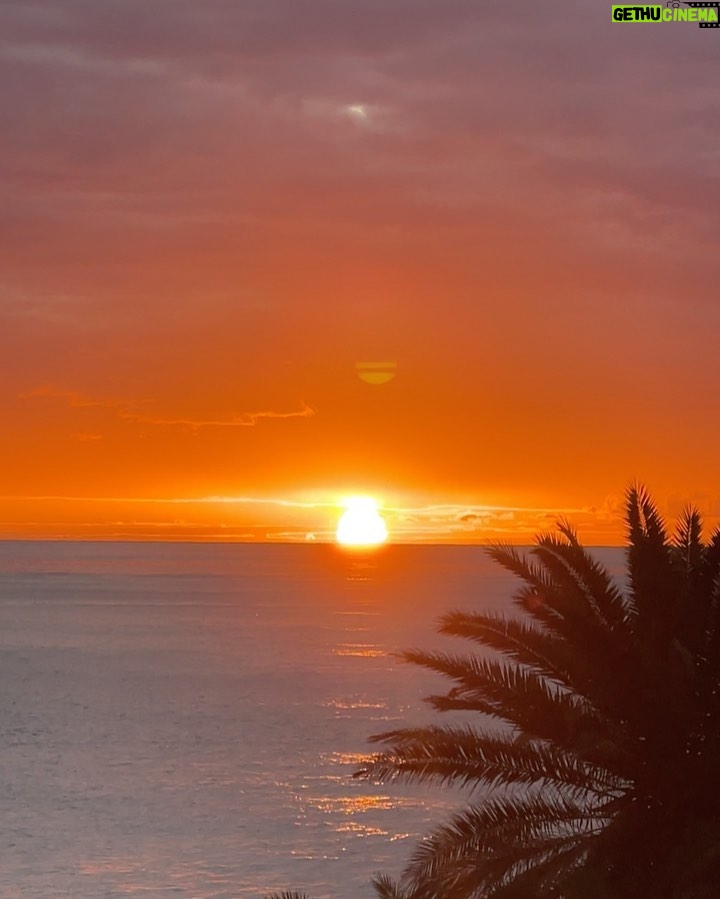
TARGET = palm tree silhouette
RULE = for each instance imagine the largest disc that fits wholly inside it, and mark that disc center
(602, 780)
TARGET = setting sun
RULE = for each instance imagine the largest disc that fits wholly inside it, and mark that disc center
(361, 524)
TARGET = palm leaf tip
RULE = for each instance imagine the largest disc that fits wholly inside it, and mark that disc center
(643, 516)
(386, 888)
(288, 894)
(489, 845)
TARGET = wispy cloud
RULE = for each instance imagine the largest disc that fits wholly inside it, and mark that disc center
(291, 518)
(482, 523)
(244, 420)
(133, 412)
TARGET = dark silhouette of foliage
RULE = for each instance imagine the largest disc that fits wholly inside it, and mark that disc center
(288, 894)
(603, 779)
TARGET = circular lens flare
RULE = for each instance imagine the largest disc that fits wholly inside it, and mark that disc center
(361, 524)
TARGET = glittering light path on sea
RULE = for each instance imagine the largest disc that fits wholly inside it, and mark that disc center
(184, 720)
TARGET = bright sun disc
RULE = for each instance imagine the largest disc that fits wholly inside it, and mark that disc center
(361, 524)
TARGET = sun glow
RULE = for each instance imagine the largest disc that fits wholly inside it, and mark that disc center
(361, 524)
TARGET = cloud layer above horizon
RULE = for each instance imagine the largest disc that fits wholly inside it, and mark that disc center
(213, 211)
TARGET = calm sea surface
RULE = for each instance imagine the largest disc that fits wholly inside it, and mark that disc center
(184, 720)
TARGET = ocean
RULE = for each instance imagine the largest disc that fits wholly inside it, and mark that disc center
(183, 720)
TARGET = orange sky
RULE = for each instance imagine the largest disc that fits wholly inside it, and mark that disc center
(212, 211)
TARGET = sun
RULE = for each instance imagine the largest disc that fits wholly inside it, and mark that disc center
(361, 524)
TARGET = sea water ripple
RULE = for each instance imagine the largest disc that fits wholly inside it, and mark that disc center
(184, 720)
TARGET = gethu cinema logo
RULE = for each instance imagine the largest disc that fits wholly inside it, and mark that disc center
(705, 14)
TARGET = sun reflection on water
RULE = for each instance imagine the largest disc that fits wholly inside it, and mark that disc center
(361, 650)
(351, 704)
(350, 805)
(356, 759)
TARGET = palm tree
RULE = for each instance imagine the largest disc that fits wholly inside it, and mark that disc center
(601, 777)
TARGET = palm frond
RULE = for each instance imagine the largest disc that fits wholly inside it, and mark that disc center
(486, 843)
(520, 697)
(288, 894)
(544, 653)
(698, 569)
(650, 567)
(387, 888)
(588, 581)
(518, 564)
(710, 653)
(688, 540)
(712, 555)
(531, 598)
(544, 874)
(644, 518)
(515, 872)
(570, 596)
(589, 621)
(461, 755)
(537, 649)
